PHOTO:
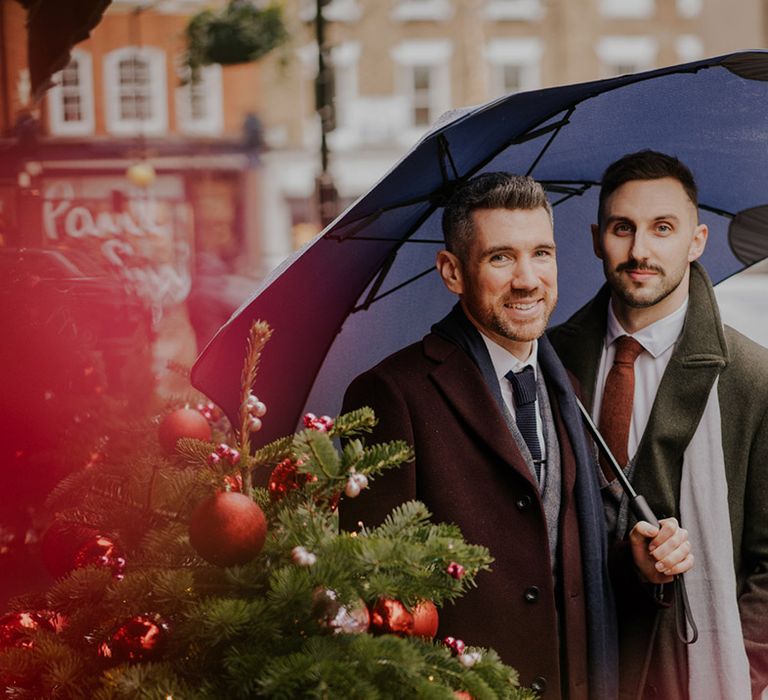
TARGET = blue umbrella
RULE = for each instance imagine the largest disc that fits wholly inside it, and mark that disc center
(367, 286)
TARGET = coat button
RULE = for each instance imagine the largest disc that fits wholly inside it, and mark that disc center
(524, 502)
(531, 594)
(539, 684)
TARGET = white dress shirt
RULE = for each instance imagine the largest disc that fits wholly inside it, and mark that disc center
(658, 340)
(504, 361)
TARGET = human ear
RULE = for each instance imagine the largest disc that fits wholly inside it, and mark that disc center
(698, 242)
(596, 247)
(449, 267)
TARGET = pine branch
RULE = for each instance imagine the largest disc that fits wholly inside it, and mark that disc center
(272, 453)
(353, 423)
(259, 334)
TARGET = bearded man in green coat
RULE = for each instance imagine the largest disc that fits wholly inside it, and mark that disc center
(696, 439)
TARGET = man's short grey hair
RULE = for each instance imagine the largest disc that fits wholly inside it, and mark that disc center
(488, 191)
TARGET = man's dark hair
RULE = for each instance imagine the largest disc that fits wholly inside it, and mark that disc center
(645, 165)
(488, 191)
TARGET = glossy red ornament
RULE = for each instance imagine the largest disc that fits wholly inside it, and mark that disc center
(462, 694)
(455, 570)
(101, 551)
(390, 616)
(182, 423)
(227, 528)
(425, 619)
(139, 638)
(15, 627)
(285, 477)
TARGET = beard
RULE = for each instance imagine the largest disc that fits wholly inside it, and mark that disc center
(492, 316)
(651, 293)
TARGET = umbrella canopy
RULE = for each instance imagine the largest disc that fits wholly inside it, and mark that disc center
(367, 286)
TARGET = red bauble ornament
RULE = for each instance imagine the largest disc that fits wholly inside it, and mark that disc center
(227, 528)
(390, 616)
(462, 694)
(425, 619)
(285, 477)
(139, 638)
(455, 570)
(60, 544)
(182, 423)
(101, 551)
(14, 628)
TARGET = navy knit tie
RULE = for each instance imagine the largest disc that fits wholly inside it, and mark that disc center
(524, 392)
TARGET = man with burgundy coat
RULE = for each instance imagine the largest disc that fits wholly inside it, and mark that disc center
(500, 450)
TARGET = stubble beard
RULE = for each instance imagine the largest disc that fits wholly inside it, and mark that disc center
(638, 297)
(494, 319)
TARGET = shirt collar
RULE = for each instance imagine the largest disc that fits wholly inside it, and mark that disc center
(504, 361)
(656, 338)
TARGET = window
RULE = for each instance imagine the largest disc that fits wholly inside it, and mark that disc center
(343, 59)
(70, 101)
(496, 10)
(199, 102)
(629, 54)
(422, 10)
(423, 80)
(514, 65)
(135, 91)
(627, 9)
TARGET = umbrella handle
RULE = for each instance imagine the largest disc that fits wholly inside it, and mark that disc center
(689, 633)
(642, 510)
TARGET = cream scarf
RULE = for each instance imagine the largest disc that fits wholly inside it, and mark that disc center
(717, 662)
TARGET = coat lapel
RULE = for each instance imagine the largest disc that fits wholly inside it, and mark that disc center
(579, 342)
(700, 355)
(464, 388)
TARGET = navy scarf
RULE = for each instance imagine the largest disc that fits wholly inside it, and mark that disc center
(602, 639)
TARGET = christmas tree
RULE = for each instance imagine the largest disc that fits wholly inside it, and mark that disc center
(177, 578)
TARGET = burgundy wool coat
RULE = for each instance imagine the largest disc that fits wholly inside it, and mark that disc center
(469, 471)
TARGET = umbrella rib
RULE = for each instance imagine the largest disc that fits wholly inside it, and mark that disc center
(565, 120)
(364, 306)
(445, 152)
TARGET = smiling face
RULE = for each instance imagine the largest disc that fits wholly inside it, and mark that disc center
(648, 237)
(507, 280)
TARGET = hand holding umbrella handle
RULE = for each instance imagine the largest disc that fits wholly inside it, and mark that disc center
(689, 633)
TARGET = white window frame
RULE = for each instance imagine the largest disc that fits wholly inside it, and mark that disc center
(689, 9)
(345, 58)
(500, 10)
(56, 111)
(423, 10)
(435, 55)
(210, 86)
(155, 59)
(627, 9)
(639, 51)
(524, 53)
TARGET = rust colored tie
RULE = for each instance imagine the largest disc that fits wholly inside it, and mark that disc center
(616, 409)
